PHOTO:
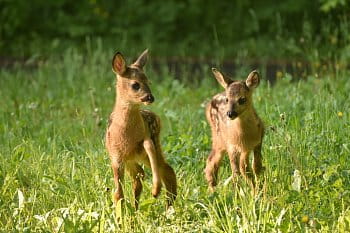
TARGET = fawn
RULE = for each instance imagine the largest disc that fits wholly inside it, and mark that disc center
(132, 136)
(235, 127)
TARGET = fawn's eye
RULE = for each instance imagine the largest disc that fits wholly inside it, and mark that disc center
(226, 100)
(135, 86)
(242, 100)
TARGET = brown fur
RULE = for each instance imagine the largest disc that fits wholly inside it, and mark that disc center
(132, 136)
(237, 136)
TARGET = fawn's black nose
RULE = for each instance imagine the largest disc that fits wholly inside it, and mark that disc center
(232, 114)
(150, 98)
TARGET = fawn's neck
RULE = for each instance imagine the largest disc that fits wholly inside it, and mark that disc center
(247, 118)
(127, 113)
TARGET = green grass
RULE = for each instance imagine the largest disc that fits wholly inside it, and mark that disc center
(55, 174)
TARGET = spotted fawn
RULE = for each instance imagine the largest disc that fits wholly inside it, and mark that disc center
(132, 136)
(235, 127)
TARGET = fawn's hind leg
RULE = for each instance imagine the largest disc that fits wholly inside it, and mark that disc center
(169, 180)
(212, 167)
(118, 172)
(137, 174)
(257, 165)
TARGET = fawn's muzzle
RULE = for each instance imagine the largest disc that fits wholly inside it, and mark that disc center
(232, 114)
(148, 99)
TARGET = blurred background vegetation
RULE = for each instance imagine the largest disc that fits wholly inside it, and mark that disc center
(316, 32)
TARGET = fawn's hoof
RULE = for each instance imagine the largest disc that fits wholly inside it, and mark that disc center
(156, 190)
(118, 196)
(258, 169)
(211, 188)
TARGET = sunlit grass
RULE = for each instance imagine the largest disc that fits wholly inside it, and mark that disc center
(55, 175)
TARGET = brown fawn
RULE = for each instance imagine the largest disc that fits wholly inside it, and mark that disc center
(132, 136)
(235, 127)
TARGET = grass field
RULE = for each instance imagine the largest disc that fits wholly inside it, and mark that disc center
(55, 174)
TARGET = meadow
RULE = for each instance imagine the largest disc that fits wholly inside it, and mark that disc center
(55, 174)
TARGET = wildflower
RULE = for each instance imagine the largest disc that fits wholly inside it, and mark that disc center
(305, 219)
(340, 114)
(313, 223)
(282, 116)
(296, 185)
(33, 105)
(170, 213)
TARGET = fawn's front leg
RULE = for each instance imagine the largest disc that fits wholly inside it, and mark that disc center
(212, 168)
(234, 162)
(118, 172)
(152, 155)
(245, 169)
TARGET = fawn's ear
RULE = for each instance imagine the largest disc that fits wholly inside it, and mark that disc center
(142, 59)
(253, 79)
(224, 81)
(118, 64)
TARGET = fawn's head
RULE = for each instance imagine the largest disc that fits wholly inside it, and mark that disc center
(132, 83)
(238, 93)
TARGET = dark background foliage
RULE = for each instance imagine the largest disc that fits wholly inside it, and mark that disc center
(182, 28)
